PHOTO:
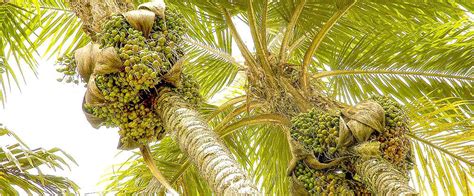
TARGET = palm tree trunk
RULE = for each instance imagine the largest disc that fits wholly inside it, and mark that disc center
(203, 146)
(382, 178)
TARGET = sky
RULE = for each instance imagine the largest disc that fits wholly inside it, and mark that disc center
(48, 114)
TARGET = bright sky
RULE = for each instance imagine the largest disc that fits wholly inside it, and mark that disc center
(48, 114)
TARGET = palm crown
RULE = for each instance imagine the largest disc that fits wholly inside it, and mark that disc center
(419, 53)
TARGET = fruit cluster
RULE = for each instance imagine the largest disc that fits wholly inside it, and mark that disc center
(129, 93)
(67, 66)
(189, 90)
(322, 182)
(395, 146)
(318, 131)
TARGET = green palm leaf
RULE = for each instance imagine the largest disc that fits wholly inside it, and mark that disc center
(442, 135)
(61, 31)
(16, 26)
(410, 66)
(208, 51)
(17, 161)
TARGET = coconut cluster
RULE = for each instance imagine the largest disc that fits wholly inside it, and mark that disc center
(327, 136)
(145, 56)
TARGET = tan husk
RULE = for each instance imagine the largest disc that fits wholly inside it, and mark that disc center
(345, 136)
(95, 121)
(298, 153)
(93, 94)
(141, 20)
(174, 75)
(157, 7)
(86, 59)
(360, 131)
(371, 114)
(108, 61)
(365, 118)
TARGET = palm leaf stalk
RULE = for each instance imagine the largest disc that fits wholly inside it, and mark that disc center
(344, 6)
(200, 143)
(150, 163)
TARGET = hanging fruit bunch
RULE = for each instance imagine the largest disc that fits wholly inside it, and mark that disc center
(140, 51)
(317, 131)
(324, 145)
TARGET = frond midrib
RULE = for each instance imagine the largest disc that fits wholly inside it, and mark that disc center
(331, 73)
(431, 144)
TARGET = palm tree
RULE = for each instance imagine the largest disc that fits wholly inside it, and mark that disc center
(343, 51)
(18, 163)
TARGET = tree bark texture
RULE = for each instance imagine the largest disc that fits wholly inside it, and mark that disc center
(93, 13)
(203, 146)
(382, 178)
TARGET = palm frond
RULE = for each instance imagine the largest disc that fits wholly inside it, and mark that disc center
(408, 66)
(61, 31)
(208, 51)
(17, 161)
(17, 24)
(20, 21)
(133, 176)
(442, 133)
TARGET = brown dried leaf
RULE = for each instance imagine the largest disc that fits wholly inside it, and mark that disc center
(141, 20)
(108, 61)
(86, 60)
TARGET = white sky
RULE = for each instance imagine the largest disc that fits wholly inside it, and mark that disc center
(48, 114)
